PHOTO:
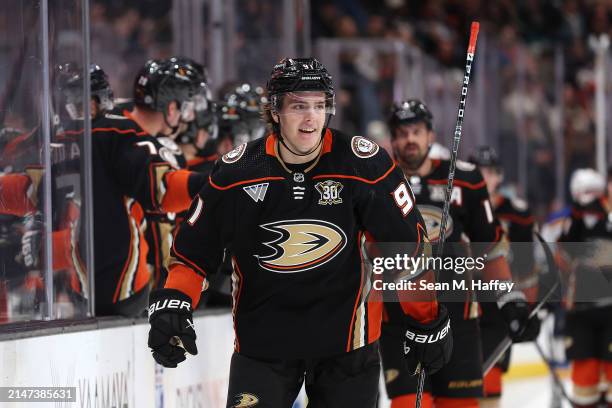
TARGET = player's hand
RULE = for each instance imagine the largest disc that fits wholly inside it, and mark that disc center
(430, 345)
(516, 314)
(171, 333)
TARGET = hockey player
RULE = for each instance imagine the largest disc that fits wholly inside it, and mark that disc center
(239, 120)
(588, 242)
(131, 174)
(459, 383)
(293, 209)
(518, 224)
(161, 224)
(21, 192)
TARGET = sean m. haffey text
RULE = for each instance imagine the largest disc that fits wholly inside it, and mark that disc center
(415, 265)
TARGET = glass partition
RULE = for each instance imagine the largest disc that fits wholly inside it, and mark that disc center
(43, 249)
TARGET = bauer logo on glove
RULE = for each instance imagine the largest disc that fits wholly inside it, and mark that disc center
(172, 331)
(428, 338)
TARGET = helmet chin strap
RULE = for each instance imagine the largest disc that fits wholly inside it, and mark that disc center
(314, 149)
(173, 129)
(301, 154)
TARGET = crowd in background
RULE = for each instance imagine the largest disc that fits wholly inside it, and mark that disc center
(525, 35)
(523, 39)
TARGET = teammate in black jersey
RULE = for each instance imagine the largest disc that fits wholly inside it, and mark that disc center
(518, 224)
(459, 383)
(588, 242)
(293, 209)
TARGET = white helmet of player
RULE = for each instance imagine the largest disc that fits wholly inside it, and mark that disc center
(586, 185)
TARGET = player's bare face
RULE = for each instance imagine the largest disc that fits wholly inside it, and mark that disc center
(492, 178)
(411, 144)
(302, 118)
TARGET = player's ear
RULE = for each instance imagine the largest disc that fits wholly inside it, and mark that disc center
(431, 136)
(171, 109)
(275, 117)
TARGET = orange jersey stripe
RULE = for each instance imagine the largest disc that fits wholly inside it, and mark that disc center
(239, 183)
(346, 176)
(517, 219)
(460, 183)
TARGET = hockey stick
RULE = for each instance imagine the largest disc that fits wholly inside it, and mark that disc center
(499, 351)
(471, 51)
(553, 372)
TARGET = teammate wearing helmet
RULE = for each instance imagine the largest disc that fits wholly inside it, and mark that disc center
(586, 244)
(459, 383)
(518, 224)
(161, 224)
(21, 191)
(72, 89)
(293, 209)
(238, 120)
(133, 174)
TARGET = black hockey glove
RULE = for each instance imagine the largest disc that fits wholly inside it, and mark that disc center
(515, 309)
(171, 333)
(430, 345)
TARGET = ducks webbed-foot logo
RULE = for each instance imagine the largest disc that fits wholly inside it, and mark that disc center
(301, 245)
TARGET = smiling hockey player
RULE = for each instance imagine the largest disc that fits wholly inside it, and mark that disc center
(293, 208)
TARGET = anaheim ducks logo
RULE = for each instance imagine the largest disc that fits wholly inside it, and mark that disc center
(432, 216)
(301, 245)
(234, 155)
(245, 400)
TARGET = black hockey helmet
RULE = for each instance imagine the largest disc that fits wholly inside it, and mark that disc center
(159, 83)
(249, 99)
(299, 75)
(485, 156)
(100, 88)
(407, 112)
(240, 112)
(69, 80)
(69, 88)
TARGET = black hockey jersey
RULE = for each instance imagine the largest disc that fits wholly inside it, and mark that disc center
(519, 224)
(300, 288)
(129, 176)
(588, 243)
(471, 213)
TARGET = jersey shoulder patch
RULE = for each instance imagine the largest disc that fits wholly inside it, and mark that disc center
(466, 174)
(519, 205)
(366, 160)
(363, 148)
(234, 155)
(465, 166)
